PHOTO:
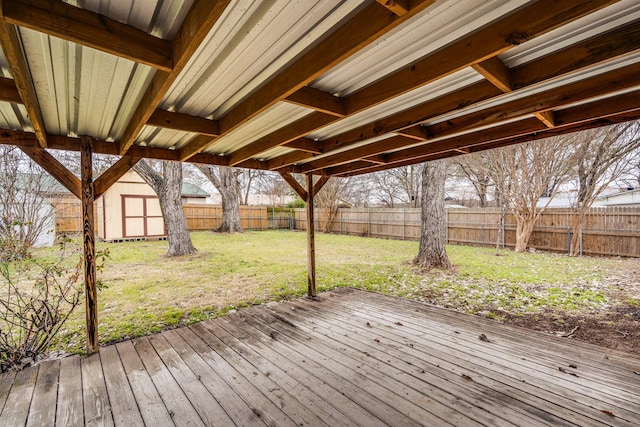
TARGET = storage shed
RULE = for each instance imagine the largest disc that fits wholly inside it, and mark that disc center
(130, 209)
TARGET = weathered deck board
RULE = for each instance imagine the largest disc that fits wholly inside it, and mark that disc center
(351, 358)
(43, 401)
(70, 410)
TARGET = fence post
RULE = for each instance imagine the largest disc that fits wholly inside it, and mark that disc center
(482, 234)
(340, 211)
(403, 223)
(369, 222)
(292, 220)
(569, 240)
(446, 225)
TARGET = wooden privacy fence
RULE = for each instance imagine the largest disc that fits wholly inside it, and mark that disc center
(199, 216)
(607, 231)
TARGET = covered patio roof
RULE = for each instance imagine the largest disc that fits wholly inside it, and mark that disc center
(320, 87)
(327, 87)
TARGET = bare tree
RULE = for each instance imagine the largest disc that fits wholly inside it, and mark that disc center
(602, 156)
(397, 187)
(522, 174)
(432, 252)
(469, 169)
(166, 181)
(24, 212)
(225, 180)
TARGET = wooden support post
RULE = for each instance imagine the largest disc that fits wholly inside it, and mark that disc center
(311, 244)
(91, 291)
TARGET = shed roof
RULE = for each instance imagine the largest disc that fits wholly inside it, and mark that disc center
(327, 87)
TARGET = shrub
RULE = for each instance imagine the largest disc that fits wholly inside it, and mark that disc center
(37, 296)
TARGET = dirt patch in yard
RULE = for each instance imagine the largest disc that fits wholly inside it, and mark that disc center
(618, 328)
(602, 309)
(616, 325)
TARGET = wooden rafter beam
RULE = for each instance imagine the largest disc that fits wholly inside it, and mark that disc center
(281, 136)
(367, 26)
(580, 91)
(546, 117)
(56, 169)
(295, 185)
(81, 26)
(494, 70)
(359, 169)
(414, 132)
(618, 42)
(399, 7)
(603, 47)
(378, 159)
(366, 151)
(9, 91)
(304, 144)
(288, 159)
(524, 24)
(318, 100)
(184, 122)
(195, 27)
(12, 49)
(57, 142)
(319, 184)
(611, 110)
(113, 174)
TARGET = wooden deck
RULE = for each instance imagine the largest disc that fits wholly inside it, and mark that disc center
(352, 358)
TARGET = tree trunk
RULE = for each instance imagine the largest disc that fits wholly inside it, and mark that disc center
(524, 228)
(168, 187)
(576, 232)
(432, 252)
(226, 182)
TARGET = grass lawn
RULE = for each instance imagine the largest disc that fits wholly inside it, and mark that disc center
(147, 292)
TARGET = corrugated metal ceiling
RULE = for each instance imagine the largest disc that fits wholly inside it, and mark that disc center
(249, 44)
(270, 120)
(438, 26)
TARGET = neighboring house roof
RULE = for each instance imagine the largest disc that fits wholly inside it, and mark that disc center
(46, 184)
(624, 198)
(192, 190)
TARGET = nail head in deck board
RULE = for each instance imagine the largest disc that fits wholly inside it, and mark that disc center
(70, 408)
(43, 402)
(123, 405)
(178, 405)
(16, 408)
(97, 410)
(204, 403)
(199, 338)
(152, 408)
(231, 402)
